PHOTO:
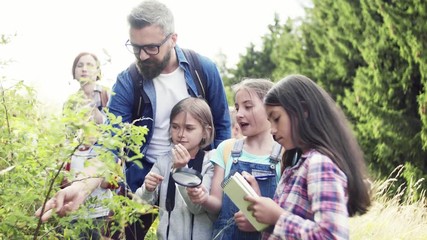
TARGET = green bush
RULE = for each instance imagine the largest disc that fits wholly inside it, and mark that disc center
(33, 151)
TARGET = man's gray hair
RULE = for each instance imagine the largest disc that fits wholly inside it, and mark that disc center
(152, 12)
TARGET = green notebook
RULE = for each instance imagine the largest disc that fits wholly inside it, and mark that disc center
(236, 188)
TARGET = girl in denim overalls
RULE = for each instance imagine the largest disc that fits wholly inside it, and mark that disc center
(252, 156)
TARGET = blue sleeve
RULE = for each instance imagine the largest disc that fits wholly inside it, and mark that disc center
(122, 97)
(217, 100)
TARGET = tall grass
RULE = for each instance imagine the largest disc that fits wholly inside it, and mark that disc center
(402, 215)
(392, 217)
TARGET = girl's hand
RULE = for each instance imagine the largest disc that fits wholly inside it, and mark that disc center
(252, 181)
(264, 209)
(198, 195)
(243, 223)
(181, 156)
(152, 180)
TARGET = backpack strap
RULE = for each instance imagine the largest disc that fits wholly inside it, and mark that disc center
(196, 71)
(104, 98)
(97, 97)
(140, 97)
(197, 162)
(227, 150)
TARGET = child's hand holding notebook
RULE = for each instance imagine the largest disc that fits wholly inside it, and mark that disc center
(236, 188)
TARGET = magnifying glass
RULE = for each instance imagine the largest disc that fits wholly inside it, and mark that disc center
(187, 177)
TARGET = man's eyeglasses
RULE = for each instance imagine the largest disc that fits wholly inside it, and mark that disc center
(149, 49)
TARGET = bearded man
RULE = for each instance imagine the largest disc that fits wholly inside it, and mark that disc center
(166, 80)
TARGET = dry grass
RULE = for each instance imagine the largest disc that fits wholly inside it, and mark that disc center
(392, 217)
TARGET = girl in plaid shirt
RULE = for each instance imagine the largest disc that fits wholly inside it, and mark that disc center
(323, 169)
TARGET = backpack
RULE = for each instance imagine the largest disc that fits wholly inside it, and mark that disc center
(141, 98)
(101, 97)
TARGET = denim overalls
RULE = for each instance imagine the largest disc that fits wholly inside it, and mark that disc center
(224, 227)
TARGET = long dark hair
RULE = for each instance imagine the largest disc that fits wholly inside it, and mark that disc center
(318, 123)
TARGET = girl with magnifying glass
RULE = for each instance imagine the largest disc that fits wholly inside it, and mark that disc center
(191, 130)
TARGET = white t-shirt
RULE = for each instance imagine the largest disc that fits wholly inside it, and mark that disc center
(170, 89)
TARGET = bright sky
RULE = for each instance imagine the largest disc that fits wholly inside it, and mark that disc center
(50, 33)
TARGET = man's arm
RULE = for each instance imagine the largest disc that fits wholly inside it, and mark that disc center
(122, 97)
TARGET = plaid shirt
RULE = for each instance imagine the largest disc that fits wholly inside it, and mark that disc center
(314, 193)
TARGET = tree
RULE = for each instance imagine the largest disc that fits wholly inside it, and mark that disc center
(389, 87)
(370, 56)
(258, 64)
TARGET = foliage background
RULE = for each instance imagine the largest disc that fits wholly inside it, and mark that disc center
(371, 56)
(34, 148)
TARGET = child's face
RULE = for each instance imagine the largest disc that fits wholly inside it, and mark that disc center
(280, 126)
(250, 115)
(187, 131)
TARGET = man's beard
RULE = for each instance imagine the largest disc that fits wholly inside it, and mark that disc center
(151, 68)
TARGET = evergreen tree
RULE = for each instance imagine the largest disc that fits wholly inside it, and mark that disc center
(370, 55)
(258, 63)
(386, 88)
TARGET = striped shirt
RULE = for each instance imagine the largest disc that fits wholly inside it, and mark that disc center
(314, 195)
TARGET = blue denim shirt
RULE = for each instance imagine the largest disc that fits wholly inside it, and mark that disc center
(122, 100)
